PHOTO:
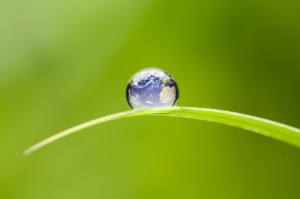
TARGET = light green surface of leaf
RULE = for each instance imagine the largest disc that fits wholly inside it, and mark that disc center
(258, 125)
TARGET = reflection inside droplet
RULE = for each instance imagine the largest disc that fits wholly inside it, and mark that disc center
(152, 87)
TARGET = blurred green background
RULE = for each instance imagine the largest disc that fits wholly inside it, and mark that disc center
(66, 62)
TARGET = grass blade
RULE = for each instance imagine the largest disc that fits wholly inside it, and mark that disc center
(258, 125)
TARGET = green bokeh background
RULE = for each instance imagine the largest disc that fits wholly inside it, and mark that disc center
(65, 62)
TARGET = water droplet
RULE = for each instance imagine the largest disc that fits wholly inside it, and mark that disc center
(150, 88)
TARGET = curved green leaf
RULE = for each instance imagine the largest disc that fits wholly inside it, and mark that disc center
(258, 125)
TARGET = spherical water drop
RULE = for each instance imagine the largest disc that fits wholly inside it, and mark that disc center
(150, 88)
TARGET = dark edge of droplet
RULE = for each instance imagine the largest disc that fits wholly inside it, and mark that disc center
(177, 92)
(176, 87)
(127, 95)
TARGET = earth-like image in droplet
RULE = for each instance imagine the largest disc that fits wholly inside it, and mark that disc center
(150, 88)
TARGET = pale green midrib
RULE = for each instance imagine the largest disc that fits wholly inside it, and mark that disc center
(259, 125)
